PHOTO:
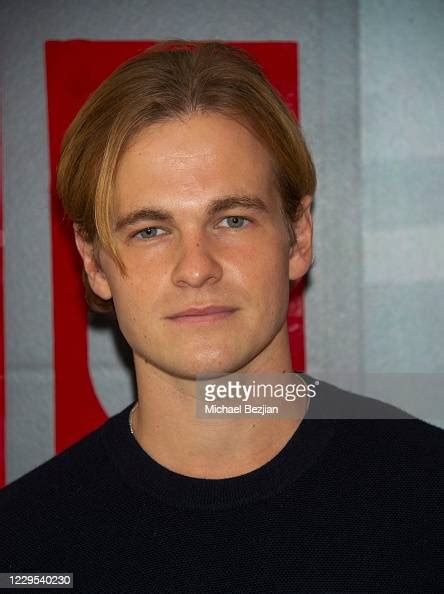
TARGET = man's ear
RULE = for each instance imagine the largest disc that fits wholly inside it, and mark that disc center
(96, 277)
(301, 252)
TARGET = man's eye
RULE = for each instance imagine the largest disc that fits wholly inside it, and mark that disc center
(149, 232)
(235, 222)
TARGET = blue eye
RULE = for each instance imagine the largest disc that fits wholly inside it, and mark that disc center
(236, 222)
(149, 232)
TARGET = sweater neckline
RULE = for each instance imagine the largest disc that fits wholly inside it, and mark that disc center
(144, 475)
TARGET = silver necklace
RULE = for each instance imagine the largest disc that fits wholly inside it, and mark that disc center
(130, 419)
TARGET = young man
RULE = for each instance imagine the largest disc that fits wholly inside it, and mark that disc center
(189, 185)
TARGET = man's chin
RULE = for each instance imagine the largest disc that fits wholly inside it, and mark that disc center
(199, 370)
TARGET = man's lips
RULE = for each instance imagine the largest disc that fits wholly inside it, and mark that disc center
(203, 314)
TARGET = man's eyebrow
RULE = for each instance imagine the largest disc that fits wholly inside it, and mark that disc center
(244, 201)
(218, 205)
(142, 214)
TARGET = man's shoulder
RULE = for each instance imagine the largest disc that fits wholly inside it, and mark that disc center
(40, 511)
(409, 442)
(66, 473)
(383, 434)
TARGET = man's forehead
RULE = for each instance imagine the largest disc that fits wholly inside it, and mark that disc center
(167, 165)
(200, 137)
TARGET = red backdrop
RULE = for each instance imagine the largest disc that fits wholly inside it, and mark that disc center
(74, 69)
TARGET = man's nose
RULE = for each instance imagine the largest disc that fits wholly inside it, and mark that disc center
(196, 262)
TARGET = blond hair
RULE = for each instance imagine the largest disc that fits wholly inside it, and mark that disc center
(169, 80)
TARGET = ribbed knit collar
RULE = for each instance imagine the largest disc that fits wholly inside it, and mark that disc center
(143, 474)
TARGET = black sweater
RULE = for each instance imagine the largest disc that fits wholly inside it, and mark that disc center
(346, 506)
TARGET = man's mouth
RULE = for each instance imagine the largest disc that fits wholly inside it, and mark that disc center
(199, 315)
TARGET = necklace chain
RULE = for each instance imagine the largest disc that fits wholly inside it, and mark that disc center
(130, 419)
(131, 414)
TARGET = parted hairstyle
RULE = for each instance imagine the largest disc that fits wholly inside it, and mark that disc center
(173, 79)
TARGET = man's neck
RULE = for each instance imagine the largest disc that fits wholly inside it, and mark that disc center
(212, 449)
(166, 426)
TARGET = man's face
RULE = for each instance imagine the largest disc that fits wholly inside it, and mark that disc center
(198, 224)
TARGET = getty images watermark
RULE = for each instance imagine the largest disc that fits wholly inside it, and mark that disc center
(333, 394)
(259, 395)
